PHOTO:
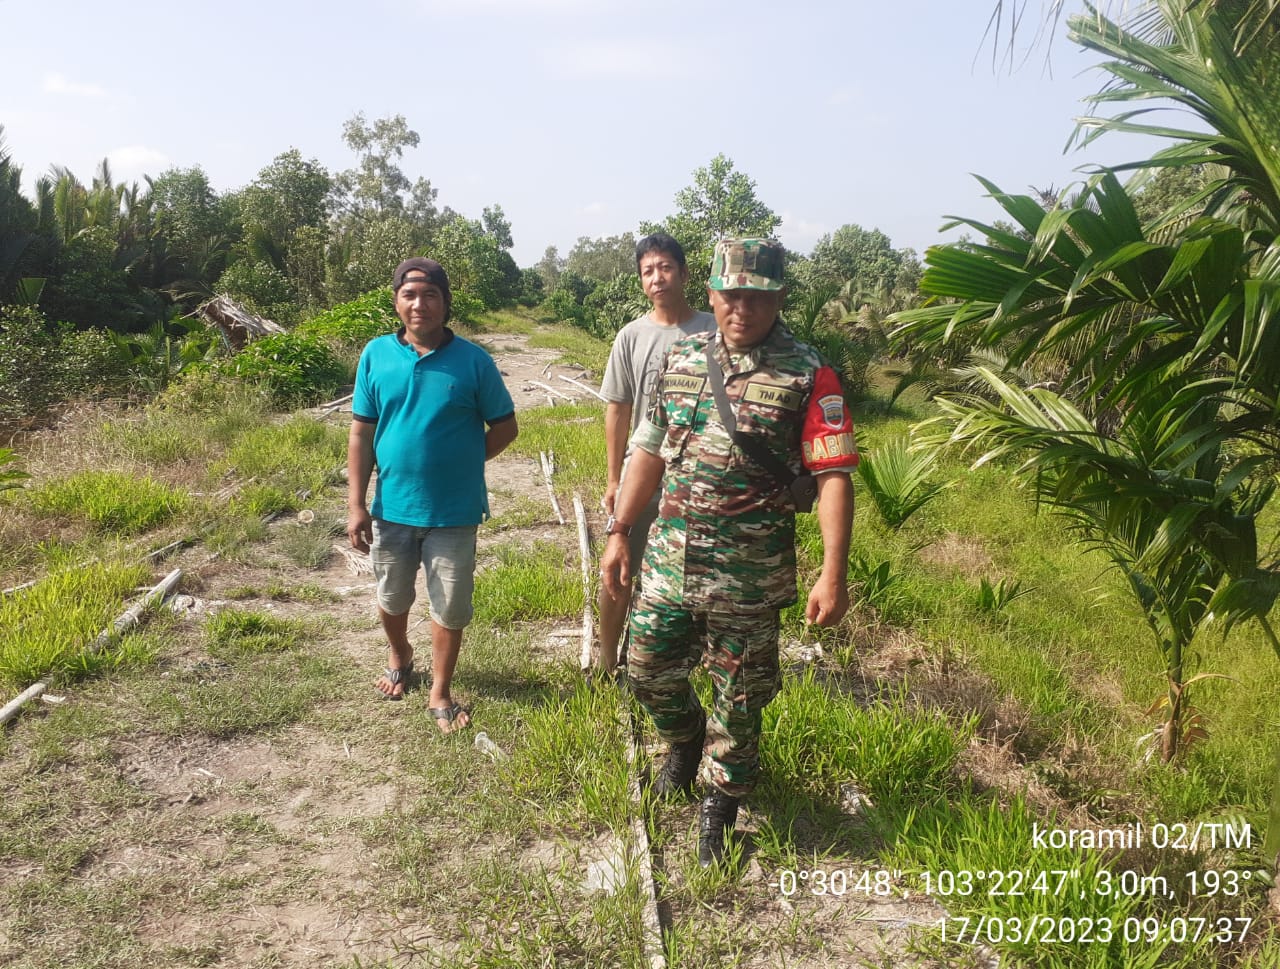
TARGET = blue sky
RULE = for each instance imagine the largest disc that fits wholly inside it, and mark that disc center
(579, 117)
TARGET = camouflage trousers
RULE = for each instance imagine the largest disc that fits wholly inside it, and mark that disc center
(740, 651)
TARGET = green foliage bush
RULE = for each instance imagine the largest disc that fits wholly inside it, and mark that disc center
(9, 477)
(42, 364)
(616, 303)
(27, 387)
(295, 368)
(262, 288)
(465, 308)
(350, 325)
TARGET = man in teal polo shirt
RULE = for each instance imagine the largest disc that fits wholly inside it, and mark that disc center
(429, 409)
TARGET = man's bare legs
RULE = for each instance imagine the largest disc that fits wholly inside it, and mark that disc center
(445, 645)
(396, 629)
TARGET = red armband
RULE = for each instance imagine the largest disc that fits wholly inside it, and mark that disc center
(827, 441)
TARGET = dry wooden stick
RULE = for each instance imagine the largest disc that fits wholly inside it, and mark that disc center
(551, 492)
(584, 549)
(550, 389)
(578, 383)
(335, 404)
(26, 696)
(130, 616)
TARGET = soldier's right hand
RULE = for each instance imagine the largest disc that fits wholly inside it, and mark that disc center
(615, 566)
(610, 496)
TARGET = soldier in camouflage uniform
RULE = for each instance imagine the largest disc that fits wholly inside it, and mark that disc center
(721, 557)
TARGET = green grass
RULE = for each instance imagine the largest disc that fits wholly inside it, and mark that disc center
(527, 584)
(111, 501)
(45, 630)
(575, 434)
(506, 321)
(577, 347)
(308, 546)
(233, 632)
(301, 455)
(260, 692)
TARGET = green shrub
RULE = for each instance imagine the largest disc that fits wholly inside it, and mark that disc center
(296, 369)
(111, 501)
(26, 338)
(262, 288)
(91, 362)
(351, 325)
(9, 477)
(464, 307)
(615, 304)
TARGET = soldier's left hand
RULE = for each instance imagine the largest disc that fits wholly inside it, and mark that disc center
(828, 602)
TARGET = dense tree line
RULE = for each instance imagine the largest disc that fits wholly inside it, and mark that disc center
(109, 272)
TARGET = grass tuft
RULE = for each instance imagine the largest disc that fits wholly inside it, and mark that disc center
(111, 501)
(45, 630)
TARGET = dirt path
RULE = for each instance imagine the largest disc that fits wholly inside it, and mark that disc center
(340, 838)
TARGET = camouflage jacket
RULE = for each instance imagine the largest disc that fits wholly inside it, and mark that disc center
(725, 536)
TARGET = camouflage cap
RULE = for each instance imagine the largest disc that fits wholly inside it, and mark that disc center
(747, 264)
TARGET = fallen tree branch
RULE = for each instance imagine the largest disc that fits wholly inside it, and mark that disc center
(551, 492)
(26, 696)
(584, 550)
(578, 383)
(335, 404)
(551, 390)
(129, 618)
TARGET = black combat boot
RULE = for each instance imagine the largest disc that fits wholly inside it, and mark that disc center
(680, 767)
(715, 826)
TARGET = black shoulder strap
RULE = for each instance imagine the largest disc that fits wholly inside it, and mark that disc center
(749, 445)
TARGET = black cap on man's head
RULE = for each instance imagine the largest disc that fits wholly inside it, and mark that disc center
(432, 270)
(422, 269)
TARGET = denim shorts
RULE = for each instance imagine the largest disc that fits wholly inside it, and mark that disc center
(448, 555)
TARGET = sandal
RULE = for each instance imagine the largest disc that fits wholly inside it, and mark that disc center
(396, 677)
(450, 715)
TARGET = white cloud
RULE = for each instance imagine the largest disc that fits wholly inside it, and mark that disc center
(842, 96)
(55, 83)
(595, 208)
(800, 234)
(620, 59)
(133, 161)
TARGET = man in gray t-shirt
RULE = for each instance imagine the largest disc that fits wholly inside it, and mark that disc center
(635, 362)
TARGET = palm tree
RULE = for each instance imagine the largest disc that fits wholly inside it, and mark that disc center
(1160, 495)
(1168, 326)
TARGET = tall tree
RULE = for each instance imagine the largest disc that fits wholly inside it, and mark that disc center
(865, 258)
(602, 259)
(497, 226)
(19, 224)
(721, 202)
(287, 195)
(378, 187)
